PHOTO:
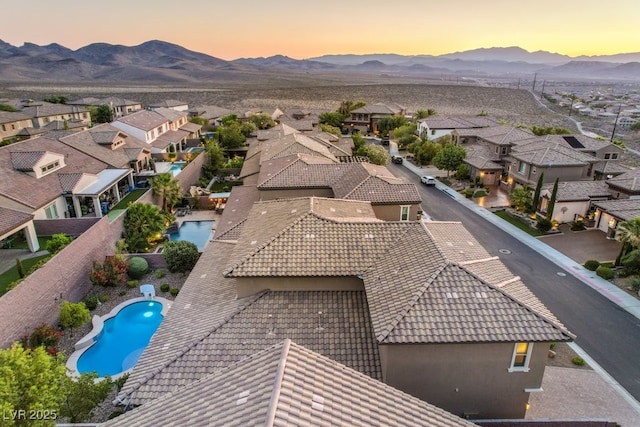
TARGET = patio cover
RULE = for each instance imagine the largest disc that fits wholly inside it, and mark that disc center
(106, 179)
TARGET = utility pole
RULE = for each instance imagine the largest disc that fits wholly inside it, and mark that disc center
(534, 82)
(615, 123)
(573, 98)
(542, 93)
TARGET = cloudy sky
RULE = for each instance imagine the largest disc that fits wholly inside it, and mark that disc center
(304, 29)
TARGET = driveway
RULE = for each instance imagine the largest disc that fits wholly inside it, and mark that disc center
(581, 246)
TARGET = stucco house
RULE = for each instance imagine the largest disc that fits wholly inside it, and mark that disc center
(438, 126)
(609, 213)
(287, 384)
(63, 181)
(43, 113)
(11, 123)
(428, 310)
(169, 103)
(365, 119)
(574, 200)
(119, 106)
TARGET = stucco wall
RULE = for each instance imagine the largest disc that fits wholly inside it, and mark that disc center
(251, 285)
(392, 212)
(464, 379)
(65, 277)
(70, 226)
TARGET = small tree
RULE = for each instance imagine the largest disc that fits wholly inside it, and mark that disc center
(552, 200)
(19, 267)
(73, 315)
(376, 154)
(520, 198)
(82, 396)
(180, 255)
(58, 242)
(332, 118)
(103, 114)
(167, 188)
(536, 194)
(262, 121)
(111, 273)
(449, 158)
(143, 223)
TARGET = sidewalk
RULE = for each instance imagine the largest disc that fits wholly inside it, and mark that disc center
(568, 393)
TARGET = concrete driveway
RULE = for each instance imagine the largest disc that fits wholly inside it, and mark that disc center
(581, 246)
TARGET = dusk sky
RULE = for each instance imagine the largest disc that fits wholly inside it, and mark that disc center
(302, 29)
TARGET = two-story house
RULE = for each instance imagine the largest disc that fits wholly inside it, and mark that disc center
(365, 119)
(169, 103)
(11, 123)
(43, 113)
(119, 106)
(438, 126)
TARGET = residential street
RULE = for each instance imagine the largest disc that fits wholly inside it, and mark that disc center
(608, 333)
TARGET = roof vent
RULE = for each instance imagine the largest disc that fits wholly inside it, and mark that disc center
(449, 243)
(320, 327)
(452, 295)
(481, 295)
(271, 325)
(359, 210)
(332, 209)
(253, 242)
(369, 236)
(309, 236)
(203, 275)
(243, 397)
(470, 243)
(294, 210)
(263, 212)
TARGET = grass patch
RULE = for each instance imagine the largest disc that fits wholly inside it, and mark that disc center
(129, 198)
(21, 243)
(12, 275)
(521, 225)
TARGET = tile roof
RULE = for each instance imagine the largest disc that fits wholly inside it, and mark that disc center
(306, 243)
(11, 117)
(588, 143)
(96, 142)
(46, 109)
(11, 219)
(210, 112)
(275, 132)
(293, 144)
(471, 122)
(550, 154)
(287, 384)
(628, 181)
(417, 295)
(624, 209)
(170, 114)
(143, 119)
(167, 103)
(239, 203)
(47, 188)
(376, 184)
(612, 167)
(24, 161)
(299, 171)
(579, 190)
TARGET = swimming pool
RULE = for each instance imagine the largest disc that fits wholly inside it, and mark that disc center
(119, 338)
(198, 232)
(176, 168)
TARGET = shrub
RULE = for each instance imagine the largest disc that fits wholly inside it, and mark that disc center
(91, 301)
(120, 381)
(73, 315)
(578, 361)
(578, 226)
(553, 345)
(180, 255)
(20, 268)
(174, 291)
(635, 284)
(592, 264)
(132, 283)
(45, 336)
(605, 272)
(122, 293)
(631, 261)
(103, 298)
(57, 243)
(112, 272)
(138, 267)
(160, 273)
(543, 225)
(165, 287)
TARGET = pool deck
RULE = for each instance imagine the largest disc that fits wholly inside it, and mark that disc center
(204, 215)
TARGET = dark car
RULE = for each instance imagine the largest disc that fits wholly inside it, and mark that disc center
(396, 159)
(385, 140)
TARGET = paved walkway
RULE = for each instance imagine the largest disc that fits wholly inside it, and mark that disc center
(568, 393)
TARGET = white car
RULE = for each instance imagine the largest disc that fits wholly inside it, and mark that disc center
(428, 180)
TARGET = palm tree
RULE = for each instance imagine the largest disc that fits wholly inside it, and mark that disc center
(143, 222)
(629, 235)
(168, 189)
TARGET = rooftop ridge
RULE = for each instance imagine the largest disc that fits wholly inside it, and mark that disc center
(517, 301)
(277, 387)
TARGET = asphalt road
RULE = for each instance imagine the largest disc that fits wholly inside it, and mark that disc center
(609, 334)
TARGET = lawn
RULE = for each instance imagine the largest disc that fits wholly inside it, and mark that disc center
(12, 275)
(522, 226)
(21, 243)
(121, 206)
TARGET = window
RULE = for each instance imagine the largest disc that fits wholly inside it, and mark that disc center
(522, 167)
(521, 357)
(533, 169)
(404, 213)
(4, 128)
(504, 151)
(51, 212)
(610, 156)
(49, 167)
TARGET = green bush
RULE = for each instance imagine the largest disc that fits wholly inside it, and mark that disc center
(631, 261)
(592, 264)
(543, 225)
(45, 336)
(578, 226)
(578, 361)
(165, 287)
(103, 298)
(138, 267)
(73, 315)
(635, 284)
(174, 291)
(181, 256)
(132, 283)
(160, 273)
(57, 243)
(91, 301)
(605, 272)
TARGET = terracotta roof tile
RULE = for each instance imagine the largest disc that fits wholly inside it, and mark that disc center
(11, 219)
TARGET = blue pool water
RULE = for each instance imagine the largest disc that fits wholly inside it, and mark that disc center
(176, 168)
(198, 232)
(122, 340)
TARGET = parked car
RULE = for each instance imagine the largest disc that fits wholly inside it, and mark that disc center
(428, 180)
(396, 159)
(385, 140)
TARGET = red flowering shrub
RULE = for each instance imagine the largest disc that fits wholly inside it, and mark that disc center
(111, 273)
(44, 335)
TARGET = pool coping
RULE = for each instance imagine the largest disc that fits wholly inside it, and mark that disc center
(97, 326)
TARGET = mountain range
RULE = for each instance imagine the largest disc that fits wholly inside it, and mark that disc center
(162, 62)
